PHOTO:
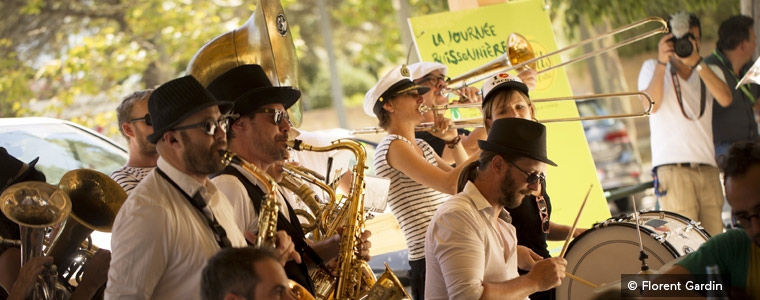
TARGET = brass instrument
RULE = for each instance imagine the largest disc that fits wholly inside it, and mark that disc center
(264, 40)
(478, 122)
(293, 180)
(95, 201)
(269, 207)
(520, 54)
(36, 206)
(385, 287)
(268, 213)
(355, 277)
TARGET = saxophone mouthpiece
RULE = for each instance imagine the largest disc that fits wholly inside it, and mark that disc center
(229, 157)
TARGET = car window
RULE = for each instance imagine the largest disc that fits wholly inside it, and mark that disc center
(61, 148)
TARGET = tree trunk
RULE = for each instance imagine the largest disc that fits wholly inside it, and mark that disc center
(607, 76)
(752, 8)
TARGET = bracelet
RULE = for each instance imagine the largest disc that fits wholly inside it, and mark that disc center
(697, 64)
(662, 63)
(453, 143)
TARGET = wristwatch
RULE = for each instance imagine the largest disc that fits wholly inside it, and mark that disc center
(698, 68)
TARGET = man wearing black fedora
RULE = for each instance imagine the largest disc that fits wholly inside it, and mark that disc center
(470, 244)
(258, 136)
(175, 219)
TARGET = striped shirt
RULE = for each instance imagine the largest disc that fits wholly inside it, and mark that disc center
(128, 177)
(412, 203)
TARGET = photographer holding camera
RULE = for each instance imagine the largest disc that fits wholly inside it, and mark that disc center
(683, 87)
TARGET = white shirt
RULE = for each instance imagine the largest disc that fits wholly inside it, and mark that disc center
(161, 242)
(463, 248)
(674, 138)
(246, 215)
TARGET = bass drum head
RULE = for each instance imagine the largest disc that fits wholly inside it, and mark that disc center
(601, 255)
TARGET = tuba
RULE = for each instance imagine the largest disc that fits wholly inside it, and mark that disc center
(35, 206)
(355, 278)
(95, 201)
(267, 214)
(265, 40)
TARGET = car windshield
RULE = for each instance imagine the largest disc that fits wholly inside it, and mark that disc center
(61, 148)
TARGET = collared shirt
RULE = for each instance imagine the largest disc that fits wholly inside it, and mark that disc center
(246, 216)
(161, 242)
(464, 248)
(128, 177)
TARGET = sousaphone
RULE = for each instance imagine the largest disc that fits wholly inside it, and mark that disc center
(264, 37)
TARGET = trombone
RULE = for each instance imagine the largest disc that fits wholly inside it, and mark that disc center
(478, 122)
(520, 53)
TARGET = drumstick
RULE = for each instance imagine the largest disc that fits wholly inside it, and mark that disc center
(581, 280)
(572, 229)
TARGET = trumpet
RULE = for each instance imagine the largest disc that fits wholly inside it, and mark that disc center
(520, 53)
(478, 122)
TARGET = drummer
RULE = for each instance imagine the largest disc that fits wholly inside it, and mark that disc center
(735, 252)
(506, 96)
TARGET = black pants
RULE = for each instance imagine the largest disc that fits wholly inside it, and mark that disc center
(417, 277)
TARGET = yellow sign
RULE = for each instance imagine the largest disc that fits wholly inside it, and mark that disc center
(465, 40)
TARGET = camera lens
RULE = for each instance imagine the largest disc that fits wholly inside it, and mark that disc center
(683, 47)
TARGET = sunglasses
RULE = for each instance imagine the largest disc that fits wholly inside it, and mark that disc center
(278, 115)
(532, 177)
(209, 127)
(745, 221)
(145, 118)
(433, 80)
(543, 210)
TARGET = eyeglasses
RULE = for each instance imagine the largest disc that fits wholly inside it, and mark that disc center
(434, 80)
(145, 118)
(279, 115)
(745, 221)
(209, 127)
(543, 210)
(532, 177)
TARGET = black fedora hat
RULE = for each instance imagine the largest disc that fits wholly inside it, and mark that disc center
(517, 137)
(250, 88)
(12, 170)
(176, 100)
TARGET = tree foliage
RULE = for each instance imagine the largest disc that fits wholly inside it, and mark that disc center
(72, 51)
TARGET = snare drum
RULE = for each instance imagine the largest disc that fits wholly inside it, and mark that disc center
(601, 254)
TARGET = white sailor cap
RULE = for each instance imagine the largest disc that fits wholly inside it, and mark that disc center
(394, 83)
(420, 69)
(502, 81)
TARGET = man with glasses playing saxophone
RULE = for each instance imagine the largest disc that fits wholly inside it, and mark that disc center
(175, 219)
(259, 137)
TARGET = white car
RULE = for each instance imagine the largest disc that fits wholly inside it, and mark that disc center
(62, 146)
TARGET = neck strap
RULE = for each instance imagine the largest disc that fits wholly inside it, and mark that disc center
(677, 87)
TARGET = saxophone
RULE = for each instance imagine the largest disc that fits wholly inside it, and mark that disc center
(355, 278)
(293, 180)
(267, 214)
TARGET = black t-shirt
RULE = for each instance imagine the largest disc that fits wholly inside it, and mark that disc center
(435, 142)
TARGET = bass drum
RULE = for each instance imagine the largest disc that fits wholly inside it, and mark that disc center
(601, 254)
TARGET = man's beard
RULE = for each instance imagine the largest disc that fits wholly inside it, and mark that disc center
(146, 148)
(510, 197)
(272, 151)
(200, 160)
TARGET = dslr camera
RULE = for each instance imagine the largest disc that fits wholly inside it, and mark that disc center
(679, 27)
